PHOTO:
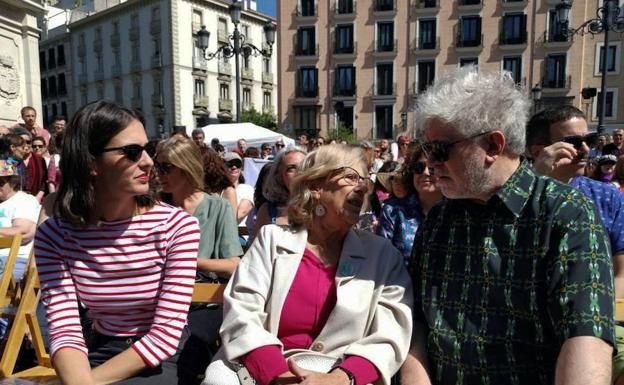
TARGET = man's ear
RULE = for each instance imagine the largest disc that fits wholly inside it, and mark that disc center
(496, 144)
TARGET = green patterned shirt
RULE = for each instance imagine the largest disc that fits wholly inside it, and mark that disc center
(502, 285)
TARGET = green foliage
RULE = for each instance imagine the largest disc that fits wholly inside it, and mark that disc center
(342, 132)
(262, 119)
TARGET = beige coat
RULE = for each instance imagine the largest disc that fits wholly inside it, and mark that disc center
(372, 317)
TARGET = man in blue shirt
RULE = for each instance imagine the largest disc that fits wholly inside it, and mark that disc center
(557, 142)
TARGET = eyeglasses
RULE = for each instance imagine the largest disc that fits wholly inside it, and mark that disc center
(279, 145)
(131, 151)
(418, 167)
(163, 167)
(35, 146)
(27, 142)
(352, 177)
(234, 163)
(578, 140)
(439, 151)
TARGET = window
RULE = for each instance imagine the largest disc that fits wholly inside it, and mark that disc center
(98, 33)
(200, 87)
(83, 97)
(246, 61)
(555, 71)
(136, 89)
(246, 97)
(555, 29)
(118, 93)
(612, 58)
(42, 61)
(307, 83)
(427, 34)
(135, 53)
(62, 86)
(115, 27)
(224, 91)
(468, 61)
(344, 6)
(99, 61)
(44, 88)
(134, 20)
(385, 80)
(51, 58)
(344, 117)
(223, 26)
(60, 51)
(345, 81)
(307, 117)
(383, 122)
(344, 38)
(426, 74)
(384, 5)
(469, 31)
(428, 3)
(156, 13)
(267, 101)
(54, 109)
(469, 2)
(52, 92)
(245, 31)
(45, 112)
(99, 91)
(196, 20)
(514, 29)
(63, 108)
(611, 104)
(306, 41)
(385, 36)
(156, 45)
(306, 7)
(513, 64)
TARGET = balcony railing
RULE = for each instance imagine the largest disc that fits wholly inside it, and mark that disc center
(115, 39)
(156, 61)
(200, 101)
(155, 27)
(426, 45)
(344, 91)
(247, 73)
(267, 77)
(200, 63)
(560, 82)
(462, 42)
(384, 89)
(310, 51)
(157, 99)
(225, 105)
(392, 47)
(307, 92)
(345, 49)
(507, 38)
(224, 68)
(135, 33)
(116, 70)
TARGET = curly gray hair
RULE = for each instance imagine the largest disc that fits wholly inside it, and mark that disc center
(475, 102)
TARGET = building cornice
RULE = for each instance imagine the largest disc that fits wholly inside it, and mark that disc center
(29, 5)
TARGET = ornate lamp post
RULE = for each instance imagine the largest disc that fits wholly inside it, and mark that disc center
(236, 47)
(608, 18)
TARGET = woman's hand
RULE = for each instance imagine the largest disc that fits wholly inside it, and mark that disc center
(308, 377)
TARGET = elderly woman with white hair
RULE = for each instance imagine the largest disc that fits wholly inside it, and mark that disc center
(317, 301)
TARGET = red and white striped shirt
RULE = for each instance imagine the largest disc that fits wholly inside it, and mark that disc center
(135, 276)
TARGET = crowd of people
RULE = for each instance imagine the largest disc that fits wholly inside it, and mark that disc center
(486, 247)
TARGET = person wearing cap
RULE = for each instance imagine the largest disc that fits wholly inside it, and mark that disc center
(244, 192)
(605, 170)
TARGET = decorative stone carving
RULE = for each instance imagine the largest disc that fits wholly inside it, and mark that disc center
(9, 78)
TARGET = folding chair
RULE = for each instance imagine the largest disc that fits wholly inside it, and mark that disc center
(619, 310)
(208, 293)
(8, 283)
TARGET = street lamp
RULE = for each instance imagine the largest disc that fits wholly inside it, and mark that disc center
(608, 18)
(236, 47)
(536, 92)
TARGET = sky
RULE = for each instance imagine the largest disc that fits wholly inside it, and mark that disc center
(267, 7)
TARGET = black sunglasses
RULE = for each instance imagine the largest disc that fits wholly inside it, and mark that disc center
(439, 151)
(38, 146)
(131, 151)
(234, 163)
(163, 167)
(418, 167)
(577, 140)
(279, 145)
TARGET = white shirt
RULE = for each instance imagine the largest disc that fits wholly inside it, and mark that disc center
(19, 206)
(244, 191)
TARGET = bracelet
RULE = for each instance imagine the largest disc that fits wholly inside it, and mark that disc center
(347, 372)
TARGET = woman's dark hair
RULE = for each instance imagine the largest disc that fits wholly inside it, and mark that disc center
(259, 198)
(215, 178)
(13, 140)
(252, 152)
(56, 143)
(39, 138)
(86, 136)
(414, 153)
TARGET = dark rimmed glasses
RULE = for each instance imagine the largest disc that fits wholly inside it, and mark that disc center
(351, 176)
(234, 163)
(131, 151)
(578, 140)
(163, 167)
(419, 167)
(36, 146)
(439, 151)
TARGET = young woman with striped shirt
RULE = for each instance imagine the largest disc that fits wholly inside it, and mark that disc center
(129, 260)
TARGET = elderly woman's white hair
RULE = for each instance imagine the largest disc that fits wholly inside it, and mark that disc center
(317, 165)
(275, 190)
(475, 102)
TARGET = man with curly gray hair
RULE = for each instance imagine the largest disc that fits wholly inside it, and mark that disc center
(512, 272)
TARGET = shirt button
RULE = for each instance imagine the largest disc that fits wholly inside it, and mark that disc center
(318, 347)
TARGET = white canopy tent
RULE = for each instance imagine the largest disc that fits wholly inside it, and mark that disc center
(230, 133)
